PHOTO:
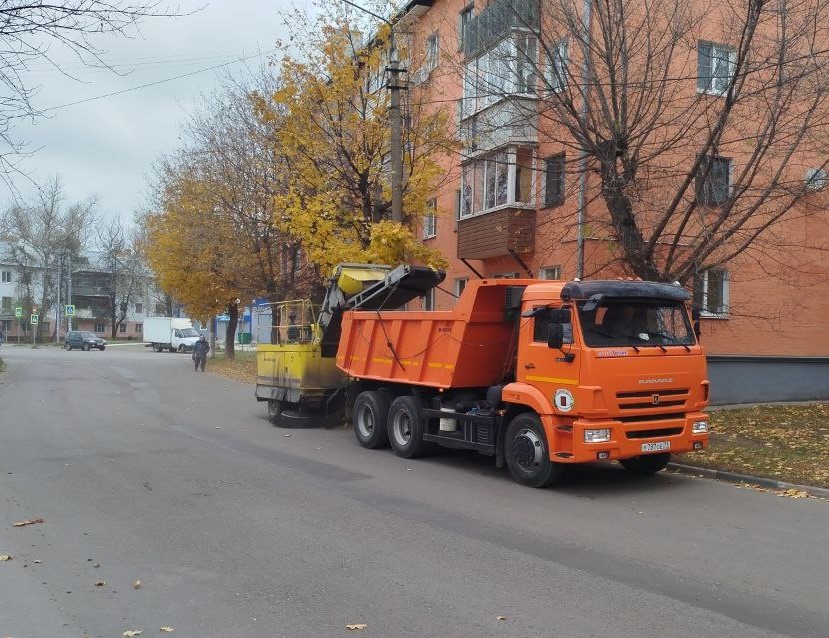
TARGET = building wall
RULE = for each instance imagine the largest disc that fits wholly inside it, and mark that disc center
(778, 289)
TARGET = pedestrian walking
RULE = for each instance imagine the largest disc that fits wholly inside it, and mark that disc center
(200, 351)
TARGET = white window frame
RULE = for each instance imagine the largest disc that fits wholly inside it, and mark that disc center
(428, 300)
(122, 328)
(139, 308)
(101, 324)
(460, 285)
(496, 194)
(6, 277)
(726, 291)
(550, 272)
(430, 220)
(431, 57)
(559, 59)
(138, 328)
(494, 74)
(717, 83)
(469, 12)
(505, 275)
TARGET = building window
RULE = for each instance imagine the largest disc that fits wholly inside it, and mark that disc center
(554, 180)
(550, 272)
(816, 179)
(497, 179)
(429, 300)
(6, 304)
(100, 327)
(139, 328)
(432, 53)
(715, 67)
(139, 308)
(6, 326)
(6, 277)
(711, 292)
(557, 66)
(430, 220)
(160, 309)
(460, 285)
(505, 275)
(713, 182)
(506, 69)
(122, 328)
(465, 16)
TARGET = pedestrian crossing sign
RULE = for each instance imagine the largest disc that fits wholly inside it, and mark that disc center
(18, 311)
(70, 310)
(35, 319)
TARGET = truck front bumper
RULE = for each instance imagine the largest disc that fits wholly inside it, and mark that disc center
(610, 440)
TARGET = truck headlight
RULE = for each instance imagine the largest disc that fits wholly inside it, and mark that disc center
(699, 427)
(597, 436)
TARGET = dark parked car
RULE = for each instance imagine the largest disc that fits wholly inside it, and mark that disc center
(84, 340)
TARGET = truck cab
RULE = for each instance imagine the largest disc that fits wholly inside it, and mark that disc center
(613, 369)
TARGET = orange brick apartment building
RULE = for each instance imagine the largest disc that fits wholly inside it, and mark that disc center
(508, 205)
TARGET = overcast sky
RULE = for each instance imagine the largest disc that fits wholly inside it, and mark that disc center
(107, 146)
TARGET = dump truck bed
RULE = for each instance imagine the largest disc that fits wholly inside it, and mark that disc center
(425, 347)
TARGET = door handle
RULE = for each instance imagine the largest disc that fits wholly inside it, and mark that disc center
(529, 366)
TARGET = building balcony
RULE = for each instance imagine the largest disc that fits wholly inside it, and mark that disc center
(500, 17)
(511, 120)
(496, 234)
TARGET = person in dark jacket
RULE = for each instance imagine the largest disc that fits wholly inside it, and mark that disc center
(200, 351)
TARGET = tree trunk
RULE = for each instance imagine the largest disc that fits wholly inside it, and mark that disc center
(230, 333)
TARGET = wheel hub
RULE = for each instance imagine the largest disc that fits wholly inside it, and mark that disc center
(527, 449)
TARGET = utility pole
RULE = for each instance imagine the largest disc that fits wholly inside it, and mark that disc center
(396, 123)
(69, 289)
(395, 119)
(57, 306)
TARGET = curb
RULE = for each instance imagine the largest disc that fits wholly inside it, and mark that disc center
(733, 477)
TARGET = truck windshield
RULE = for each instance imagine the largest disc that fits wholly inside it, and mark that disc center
(635, 322)
(189, 332)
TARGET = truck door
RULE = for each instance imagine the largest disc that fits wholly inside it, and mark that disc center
(553, 371)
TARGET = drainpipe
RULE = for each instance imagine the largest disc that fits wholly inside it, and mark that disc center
(582, 199)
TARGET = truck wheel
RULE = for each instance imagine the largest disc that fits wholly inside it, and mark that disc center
(646, 464)
(274, 411)
(527, 453)
(406, 428)
(369, 414)
(156, 347)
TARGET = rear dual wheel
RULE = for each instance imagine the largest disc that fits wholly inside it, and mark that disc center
(369, 415)
(405, 427)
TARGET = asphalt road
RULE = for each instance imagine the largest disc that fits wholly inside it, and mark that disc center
(144, 470)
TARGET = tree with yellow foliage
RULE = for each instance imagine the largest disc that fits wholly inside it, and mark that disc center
(212, 240)
(331, 117)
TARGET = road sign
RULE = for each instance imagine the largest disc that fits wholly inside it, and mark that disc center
(18, 311)
(35, 320)
(70, 310)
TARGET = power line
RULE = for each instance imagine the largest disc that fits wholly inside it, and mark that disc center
(156, 83)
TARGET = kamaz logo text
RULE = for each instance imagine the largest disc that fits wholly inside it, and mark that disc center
(647, 381)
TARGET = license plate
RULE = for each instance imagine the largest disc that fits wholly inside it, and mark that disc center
(659, 446)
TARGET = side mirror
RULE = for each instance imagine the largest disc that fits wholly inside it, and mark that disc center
(555, 336)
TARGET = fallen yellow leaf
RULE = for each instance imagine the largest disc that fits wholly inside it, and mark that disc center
(130, 633)
(5, 557)
(166, 629)
(356, 626)
(30, 521)
(136, 584)
(500, 617)
(100, 583)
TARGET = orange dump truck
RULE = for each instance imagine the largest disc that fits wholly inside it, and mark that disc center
(539, 374)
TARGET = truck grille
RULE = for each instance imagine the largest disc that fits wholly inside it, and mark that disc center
(652, 399)
(656, 433)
